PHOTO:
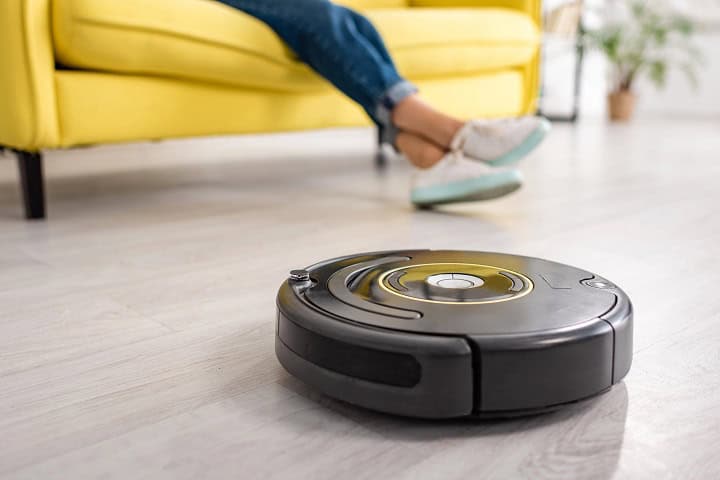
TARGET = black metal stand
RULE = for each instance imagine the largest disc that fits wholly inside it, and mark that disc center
(32, 183)
(579, 56)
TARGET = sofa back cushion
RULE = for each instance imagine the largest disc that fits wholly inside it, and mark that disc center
(524, 5)
(365, 4)
(208, 42)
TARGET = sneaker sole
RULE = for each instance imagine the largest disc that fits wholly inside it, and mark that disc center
(476, 189)
(527, 146)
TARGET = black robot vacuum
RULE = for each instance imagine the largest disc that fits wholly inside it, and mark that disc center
(444, 334)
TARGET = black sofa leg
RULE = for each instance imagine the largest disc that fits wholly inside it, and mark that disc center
(32, 184)
(380, 156)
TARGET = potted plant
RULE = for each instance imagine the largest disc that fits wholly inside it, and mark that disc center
(646, 39)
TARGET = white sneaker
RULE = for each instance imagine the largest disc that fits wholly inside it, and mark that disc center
(456, 178)
(500, 142)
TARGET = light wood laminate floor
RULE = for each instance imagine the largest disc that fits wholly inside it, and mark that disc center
(136, 324)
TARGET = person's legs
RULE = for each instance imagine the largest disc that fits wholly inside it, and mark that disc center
(344, 48)
(328, 38)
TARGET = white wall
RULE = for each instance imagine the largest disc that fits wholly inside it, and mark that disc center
(678, 97)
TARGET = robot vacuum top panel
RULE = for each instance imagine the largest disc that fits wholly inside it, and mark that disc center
(465, 293)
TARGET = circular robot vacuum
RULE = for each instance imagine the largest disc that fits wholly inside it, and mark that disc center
(443, 334)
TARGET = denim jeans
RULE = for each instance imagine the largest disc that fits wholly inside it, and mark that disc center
(339, 44)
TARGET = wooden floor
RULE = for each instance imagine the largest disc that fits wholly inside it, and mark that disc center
(136, 324)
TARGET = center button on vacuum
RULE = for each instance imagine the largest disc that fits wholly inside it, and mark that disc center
(454, 280)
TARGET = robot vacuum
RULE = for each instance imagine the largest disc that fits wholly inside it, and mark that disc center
(445, 334)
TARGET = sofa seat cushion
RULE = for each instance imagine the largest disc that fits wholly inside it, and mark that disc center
(206, 41)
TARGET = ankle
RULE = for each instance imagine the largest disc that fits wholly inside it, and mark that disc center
(450, 128)
(405, 112)
(427, 159)
(420, 153)
(415, 116)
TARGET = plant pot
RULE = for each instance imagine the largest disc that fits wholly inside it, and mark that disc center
(621, 105)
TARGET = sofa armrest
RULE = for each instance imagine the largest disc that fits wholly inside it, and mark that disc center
(531, 7)
(28, 108)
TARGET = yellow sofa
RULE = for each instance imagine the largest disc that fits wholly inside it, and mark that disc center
(78, 72)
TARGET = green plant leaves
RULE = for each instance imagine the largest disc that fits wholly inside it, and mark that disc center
(651, 40)
(657, 71)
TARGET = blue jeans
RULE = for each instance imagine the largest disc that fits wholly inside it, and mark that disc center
(339, 44)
